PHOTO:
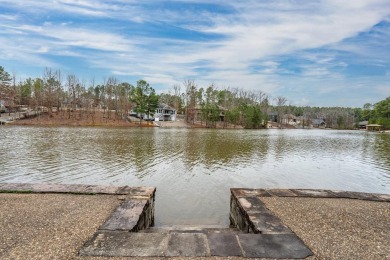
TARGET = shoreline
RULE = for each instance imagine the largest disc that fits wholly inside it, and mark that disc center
(55, 120)
(20, 122)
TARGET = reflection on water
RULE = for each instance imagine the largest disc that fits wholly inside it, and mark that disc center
(193, 169)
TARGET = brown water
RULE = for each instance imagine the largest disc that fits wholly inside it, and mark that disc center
(193, 169)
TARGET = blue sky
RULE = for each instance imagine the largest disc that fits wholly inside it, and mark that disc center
(318, 53)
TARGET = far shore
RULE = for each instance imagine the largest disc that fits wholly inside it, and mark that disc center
(45, 121)
(99, 119)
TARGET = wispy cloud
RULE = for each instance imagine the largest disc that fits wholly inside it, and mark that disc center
(268, 45)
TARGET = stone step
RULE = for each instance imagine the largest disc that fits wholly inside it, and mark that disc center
(127, 217)
(121, 243)
(250, 215)
(190, 229)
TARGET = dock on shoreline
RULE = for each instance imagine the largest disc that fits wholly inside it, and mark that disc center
(80, 221)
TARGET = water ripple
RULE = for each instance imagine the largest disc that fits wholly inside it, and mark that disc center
(194, 165)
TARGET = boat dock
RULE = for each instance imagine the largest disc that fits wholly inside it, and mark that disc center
(88, 220)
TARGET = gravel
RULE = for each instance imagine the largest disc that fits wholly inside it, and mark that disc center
(337, 228)
(50, 226)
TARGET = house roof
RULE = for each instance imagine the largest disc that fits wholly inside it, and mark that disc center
(363, 123)
(289, 116)
(317, 121)
(165, 106)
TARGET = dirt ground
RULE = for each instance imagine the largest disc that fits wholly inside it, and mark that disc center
(81, 118)
(99, 118)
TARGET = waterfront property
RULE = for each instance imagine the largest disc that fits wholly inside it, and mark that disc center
(2, 107)
(165, 113)
(193, 165)
(374, 127)
(162, 113)
(318, 123)
(363, 124)
(118, 221)
(289, 119)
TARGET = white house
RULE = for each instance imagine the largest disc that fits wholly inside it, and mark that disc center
(2, 107)
(165, 113)
(289, 119)
(162, 113)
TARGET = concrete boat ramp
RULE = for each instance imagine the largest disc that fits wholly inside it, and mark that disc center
(255, 230)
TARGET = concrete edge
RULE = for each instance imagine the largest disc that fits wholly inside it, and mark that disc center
(82, 189)
(250, 215)
(309, 193)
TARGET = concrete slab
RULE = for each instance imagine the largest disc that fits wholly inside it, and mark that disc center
(138, 192)
(273, 246)
(187, 244)
(154, 230)
(359, 195)
(198, 231)
(333, 228)
(132, 192)
(267, 223)
(223, 244)
(252, 204)
(314, 193)
(126, 216)
(103, 189)
(383, 197)
(191, 229)
(282, 193)
(224, 231)
(250, 192)
(342, 194)
(123, 190)
(125, 244)
(364, 196)
(16, 187)
(53, 188)
(60, 188)
(238, 216)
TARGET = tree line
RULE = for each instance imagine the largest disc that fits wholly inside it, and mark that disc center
(209, 106)
(378, 113)
(73, 98)
(234, 106)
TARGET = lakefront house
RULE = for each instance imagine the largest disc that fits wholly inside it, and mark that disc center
(165, 113)
(162, 113)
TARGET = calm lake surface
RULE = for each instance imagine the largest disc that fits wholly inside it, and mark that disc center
(193, 169)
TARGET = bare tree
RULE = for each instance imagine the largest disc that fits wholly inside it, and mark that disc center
(280, 103)
(191, 91)
(72, 82)
(177, 93)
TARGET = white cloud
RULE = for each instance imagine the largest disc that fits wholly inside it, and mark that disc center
(250, 34)
(8, 17)
(41, 6)
(76, 37)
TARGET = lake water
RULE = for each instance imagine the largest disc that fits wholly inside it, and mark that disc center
(193, 169)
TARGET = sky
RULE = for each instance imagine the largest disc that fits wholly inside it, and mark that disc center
(316, 53)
